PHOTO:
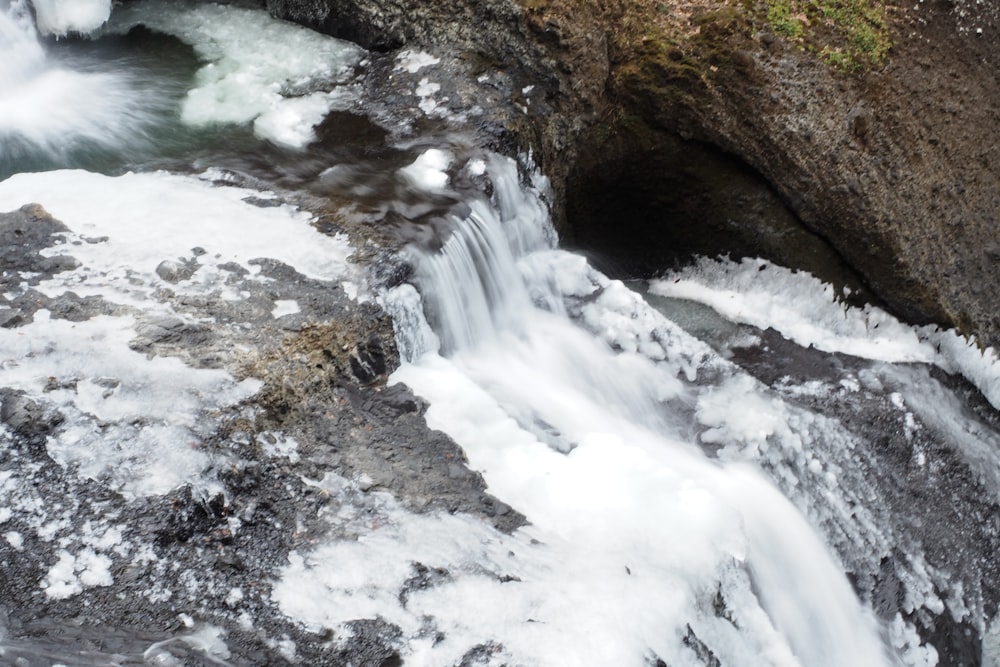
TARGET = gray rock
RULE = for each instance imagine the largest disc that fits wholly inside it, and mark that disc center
(175, 271)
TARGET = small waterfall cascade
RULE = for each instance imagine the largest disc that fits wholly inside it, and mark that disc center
(511, 314)
(731, 469)
(21, 53)
(473, 286)
(52, 108)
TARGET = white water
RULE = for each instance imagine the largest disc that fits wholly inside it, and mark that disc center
(574, 398)
(49, 108)
(584, 441)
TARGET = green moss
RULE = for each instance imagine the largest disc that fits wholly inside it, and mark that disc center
(782, 18)
(852, 35)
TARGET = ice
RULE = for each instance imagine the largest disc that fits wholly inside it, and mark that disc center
(284, 307)
(150, 217)
(140, 435)
(60, 582)
(414, 61)
(279, 446)
(798, 305)
(131, 421)
(426, 90)
(804, 309)
(290, 122)
(60, 17)
(71, 574)
(206, 638)
(277, 75)
(14, 539)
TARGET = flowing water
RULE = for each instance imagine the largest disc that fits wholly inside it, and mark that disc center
(723, 466)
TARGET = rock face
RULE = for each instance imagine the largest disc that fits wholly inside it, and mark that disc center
(677, 128)
(888, 166)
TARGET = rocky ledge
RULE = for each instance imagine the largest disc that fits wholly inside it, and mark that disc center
(274, 409)
(849, 139)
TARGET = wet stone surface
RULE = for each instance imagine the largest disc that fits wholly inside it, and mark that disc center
(92, 574)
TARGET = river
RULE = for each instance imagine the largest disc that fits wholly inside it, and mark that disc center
(723, 466)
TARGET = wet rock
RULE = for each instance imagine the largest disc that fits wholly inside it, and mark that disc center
(368, 363)
(188, 518)
(169, 331)
(175, 271)
(72, 307)
(25, 416)
(372, 643)
(23, 234)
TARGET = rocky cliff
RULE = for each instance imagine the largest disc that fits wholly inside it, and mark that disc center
(852, 139)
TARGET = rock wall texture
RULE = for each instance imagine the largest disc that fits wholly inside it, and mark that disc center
(709, 126)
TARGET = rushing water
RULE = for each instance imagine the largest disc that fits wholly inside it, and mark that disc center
(691, 499)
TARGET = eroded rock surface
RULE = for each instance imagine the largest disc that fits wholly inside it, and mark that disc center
(882, 170)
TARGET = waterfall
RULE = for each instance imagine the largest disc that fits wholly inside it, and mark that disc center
(21, 54)
(690, 496)
(599, 446)
(51, 108)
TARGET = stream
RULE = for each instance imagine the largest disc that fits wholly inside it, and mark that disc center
(725, 465)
